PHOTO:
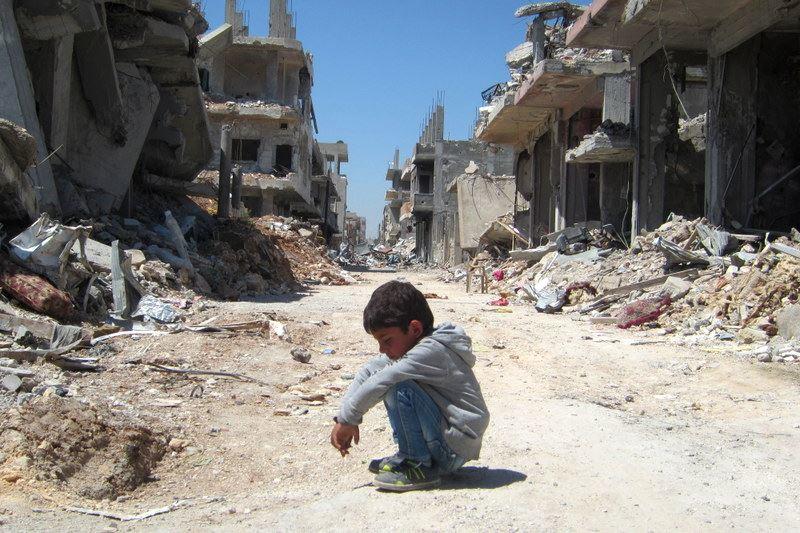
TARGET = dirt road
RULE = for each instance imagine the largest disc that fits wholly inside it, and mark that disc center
(592, 429)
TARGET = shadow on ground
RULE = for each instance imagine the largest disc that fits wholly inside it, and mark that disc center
(474, 477)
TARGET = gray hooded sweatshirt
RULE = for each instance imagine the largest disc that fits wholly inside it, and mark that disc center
(441, 364)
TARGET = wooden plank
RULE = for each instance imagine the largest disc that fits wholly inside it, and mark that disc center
(686, 274)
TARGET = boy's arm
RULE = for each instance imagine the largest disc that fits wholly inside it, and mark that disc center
(371, 367)
(422, 364)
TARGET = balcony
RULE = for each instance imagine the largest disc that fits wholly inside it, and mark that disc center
(508, 123)
(422, 203)
(716, 26)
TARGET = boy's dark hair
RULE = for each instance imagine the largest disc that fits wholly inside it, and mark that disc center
(396, 304)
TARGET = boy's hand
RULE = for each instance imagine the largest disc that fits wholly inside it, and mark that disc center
(342, 435)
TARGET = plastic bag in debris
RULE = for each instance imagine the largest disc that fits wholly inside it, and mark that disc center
(44, 248)
(153, 308)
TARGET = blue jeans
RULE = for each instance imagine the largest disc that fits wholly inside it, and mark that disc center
(418, 427)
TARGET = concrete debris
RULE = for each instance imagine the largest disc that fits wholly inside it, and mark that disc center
(548, 10)
(652, 282)
(694, 130)
(301, 355)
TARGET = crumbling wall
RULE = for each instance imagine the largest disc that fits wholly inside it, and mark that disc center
(670, 172)
(482, 198)
(582, 181)
(452, 157)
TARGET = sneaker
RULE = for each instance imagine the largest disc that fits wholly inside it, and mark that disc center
(379, 465)
(406, 476)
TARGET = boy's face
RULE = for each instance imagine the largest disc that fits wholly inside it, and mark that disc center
(394, 343)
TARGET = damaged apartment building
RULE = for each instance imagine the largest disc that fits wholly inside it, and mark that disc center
(715, 106)
(624, 112)
(259, 90)
(566, 112)
(94, 95)
(431, 208)
(396, 224)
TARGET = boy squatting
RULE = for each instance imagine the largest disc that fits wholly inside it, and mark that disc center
(425, 379)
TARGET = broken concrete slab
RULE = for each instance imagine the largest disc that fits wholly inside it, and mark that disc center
(676, 287)
(99, 255)
(17, 196)
(548, 10)
(95, 156)
(533, 254)
(51, 20)
(599, 147)
(694, 130)
(17, 104)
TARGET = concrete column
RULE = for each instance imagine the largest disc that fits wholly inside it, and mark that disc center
(617, 98)
(236, 190)
(277, 18)
(538, 39)
(225, 148)
(292, 84)
(267, 202)
(557, 176)
(271, 83)
(713, 179)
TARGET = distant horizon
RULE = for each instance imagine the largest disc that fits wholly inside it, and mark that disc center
(378, 69)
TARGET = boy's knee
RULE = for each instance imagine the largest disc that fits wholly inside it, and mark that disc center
(401, 391)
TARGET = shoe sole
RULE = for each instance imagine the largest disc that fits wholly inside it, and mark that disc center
(406, 488)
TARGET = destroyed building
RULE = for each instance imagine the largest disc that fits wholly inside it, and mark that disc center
(562, 105)
(355, 229)
(260, 88)
(96, 94)
(334, 155)
(435, 162)
(396, 223)
(713, 136)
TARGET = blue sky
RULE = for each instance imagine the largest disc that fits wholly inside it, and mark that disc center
(378, 66)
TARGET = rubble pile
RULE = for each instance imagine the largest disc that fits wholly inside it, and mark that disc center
(686, 278)
(94, 455)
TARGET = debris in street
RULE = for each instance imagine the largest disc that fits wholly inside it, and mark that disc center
(301, 355)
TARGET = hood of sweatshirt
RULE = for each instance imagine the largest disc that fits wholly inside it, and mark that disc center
(455, 338)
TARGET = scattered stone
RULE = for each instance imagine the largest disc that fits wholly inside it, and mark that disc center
(301, 355)
(178, 444)
(765, 358)
(11, 383)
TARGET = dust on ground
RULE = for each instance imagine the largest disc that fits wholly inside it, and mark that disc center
(592, 428)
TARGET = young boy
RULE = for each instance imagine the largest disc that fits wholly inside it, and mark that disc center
(425, 380)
